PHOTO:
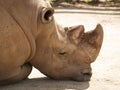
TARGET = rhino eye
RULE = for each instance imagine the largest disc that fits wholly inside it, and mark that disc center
(62, 53)
(47, 15)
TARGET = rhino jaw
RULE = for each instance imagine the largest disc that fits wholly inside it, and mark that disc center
(92, 42)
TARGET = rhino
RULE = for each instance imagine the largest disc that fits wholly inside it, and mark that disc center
(30, 37)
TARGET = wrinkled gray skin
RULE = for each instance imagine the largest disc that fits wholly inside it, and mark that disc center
(29, 36)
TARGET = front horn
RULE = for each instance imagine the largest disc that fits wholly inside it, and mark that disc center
(92, 42)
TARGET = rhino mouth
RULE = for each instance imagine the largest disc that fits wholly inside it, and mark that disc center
(83, 77)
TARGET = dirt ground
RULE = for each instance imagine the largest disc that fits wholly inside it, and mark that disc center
(83, 4)
(106, 69)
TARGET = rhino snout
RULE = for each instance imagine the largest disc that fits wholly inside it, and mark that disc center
(83, 76)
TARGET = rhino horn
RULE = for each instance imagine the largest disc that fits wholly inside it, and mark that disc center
(74, 33)
(92, 42)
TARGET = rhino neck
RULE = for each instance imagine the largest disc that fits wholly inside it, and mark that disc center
(47, 35)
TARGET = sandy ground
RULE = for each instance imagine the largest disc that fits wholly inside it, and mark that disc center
(106, 69)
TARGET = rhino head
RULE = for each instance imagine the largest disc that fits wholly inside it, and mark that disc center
(65, 52)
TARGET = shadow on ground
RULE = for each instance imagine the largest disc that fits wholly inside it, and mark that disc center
(45, 84)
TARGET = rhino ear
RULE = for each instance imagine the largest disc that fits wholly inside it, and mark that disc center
(47, 15)
(74, 33)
